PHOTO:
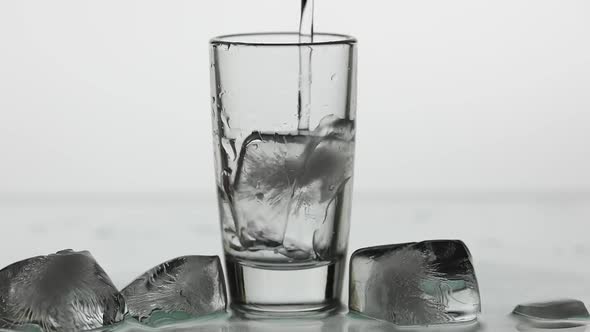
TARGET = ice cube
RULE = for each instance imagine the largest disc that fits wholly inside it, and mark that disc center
(192, 285)
(431, 282)
(557, 310)
(268, 166)
(285, 186)
(65, 291)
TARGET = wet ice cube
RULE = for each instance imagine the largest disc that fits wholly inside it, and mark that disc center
(66, 291)
(285, 185)
(268, 166)
(431, 282)
(321, 196)
(287, 181)
(557, 310)
(193, 285)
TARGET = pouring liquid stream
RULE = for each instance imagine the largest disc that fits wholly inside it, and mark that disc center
(305, 54)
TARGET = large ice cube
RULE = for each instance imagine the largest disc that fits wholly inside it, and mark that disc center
(192, 285)
(268, 167)
(66, 291)
(285, 186)
(431, 282)
(557, 310)
(318, 198)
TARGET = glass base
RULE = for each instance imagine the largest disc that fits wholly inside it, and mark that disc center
(261, 292)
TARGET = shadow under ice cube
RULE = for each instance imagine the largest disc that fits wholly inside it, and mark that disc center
(191, 285)
(430, 282)
(66, 291)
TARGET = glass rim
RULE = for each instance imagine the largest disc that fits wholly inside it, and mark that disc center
(265, 39)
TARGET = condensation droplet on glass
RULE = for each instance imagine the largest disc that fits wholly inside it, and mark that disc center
(225, 118)
(333, 77)
(212, 100)
(227, 172)
(255, 146)
(332, 187)
(232, 143)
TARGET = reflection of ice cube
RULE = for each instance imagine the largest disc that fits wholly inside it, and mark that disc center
(192, 285)
(66, 291)
(546, 328)
(431, 282)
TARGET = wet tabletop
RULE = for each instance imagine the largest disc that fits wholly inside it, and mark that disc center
(526, 247)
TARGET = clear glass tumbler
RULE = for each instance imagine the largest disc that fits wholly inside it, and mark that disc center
(284, 135)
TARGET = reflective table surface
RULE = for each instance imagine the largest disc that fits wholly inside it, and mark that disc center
(526, 246)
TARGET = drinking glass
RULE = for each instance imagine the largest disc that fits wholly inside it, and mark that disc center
(284, 134)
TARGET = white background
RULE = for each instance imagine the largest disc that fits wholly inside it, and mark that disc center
(461, 96)
(473, 123)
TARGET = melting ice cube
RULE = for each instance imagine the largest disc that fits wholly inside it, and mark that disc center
(191, 285)
(66, 291)
(268, 167)
(285, 186)
(431, 282)
(557, 310)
